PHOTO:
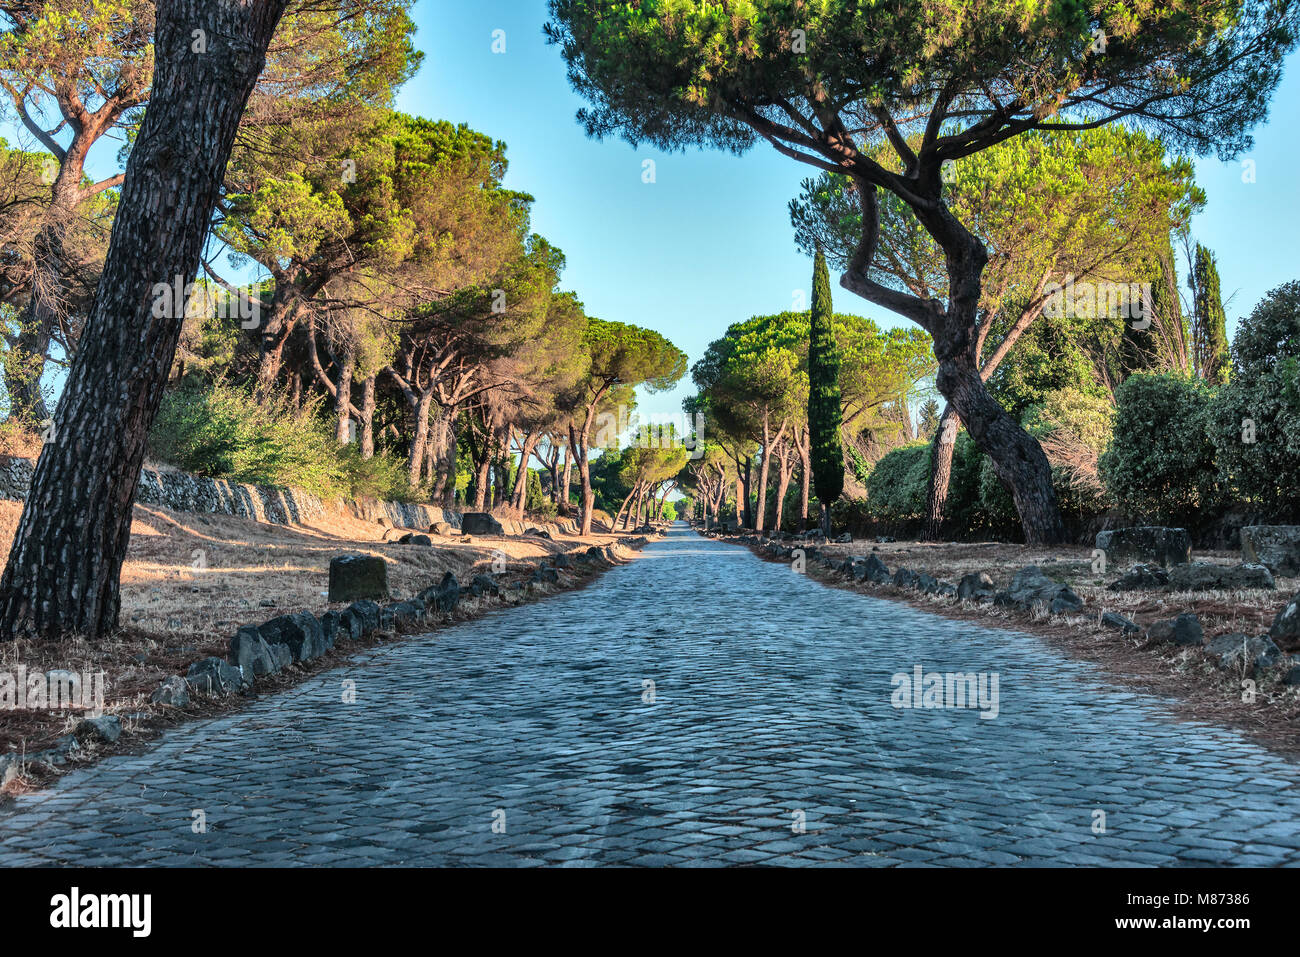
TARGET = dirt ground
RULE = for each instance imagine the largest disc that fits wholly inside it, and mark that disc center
(190, 581)
(1199, 688)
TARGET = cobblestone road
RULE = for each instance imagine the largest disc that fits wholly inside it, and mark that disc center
(771, 739)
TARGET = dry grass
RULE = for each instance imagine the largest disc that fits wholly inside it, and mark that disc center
(191, 580)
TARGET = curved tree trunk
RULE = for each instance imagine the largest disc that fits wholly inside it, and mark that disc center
(64, 567)
(1018, 460)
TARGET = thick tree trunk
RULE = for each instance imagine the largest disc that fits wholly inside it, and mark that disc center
(482, 479)
(64, 566)
(442, 441)
(749, 505)
(48, 284)
(626, 502)
(945, 440)
(1018, 459)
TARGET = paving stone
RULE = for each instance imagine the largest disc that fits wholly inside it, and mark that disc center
(759, 713)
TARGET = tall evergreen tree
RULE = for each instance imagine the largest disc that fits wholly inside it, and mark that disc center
(824, 410)
(1209, 323)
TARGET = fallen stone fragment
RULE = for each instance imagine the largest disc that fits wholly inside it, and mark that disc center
(1183, 630)
(250, 652)
(443, 597)
(1204, 576)
(481, 523)
(300, 631)
(484, 585)
(105, 729)
(1112, 620)
(873, 570)
(354, 576)
(1032, 589)
(1141, 577)
(905, 578)
(1255, 651)
(1277, 547)
(1146, 543)
(174, 691)
(1286, 626)
(977, 586)
(213, 676)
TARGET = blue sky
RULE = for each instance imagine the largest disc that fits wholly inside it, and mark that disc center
(709, 242)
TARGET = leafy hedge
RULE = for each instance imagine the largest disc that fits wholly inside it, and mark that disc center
(1160, 463)
(1255, 422)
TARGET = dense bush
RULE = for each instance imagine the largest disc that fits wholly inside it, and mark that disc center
(222, 431)
(1255, 425)
(1160, 463)
(898, 484)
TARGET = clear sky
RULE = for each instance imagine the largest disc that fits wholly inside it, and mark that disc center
(709, 242)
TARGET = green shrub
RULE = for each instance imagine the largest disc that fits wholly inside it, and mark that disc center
(222, 431)
(897, 488)
(1160, 462)
(1255, 426)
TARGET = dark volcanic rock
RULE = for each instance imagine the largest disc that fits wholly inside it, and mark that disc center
(1183, 630)
(444, 596)
(1255, 651)
(356, 576)
(1286, 626)
(1146, 543)
(214, 676)
(250, 652)
(1277, 547)
(301, 632)
(480, 523)
(1204, 576)
(905, 578)
(1032, 589)
(977, 586)
(1112, 620)
(1141, 577)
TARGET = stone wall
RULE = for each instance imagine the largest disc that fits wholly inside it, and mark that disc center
(264, 503)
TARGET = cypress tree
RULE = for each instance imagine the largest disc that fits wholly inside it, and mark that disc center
(824, 412)
(1210, 335)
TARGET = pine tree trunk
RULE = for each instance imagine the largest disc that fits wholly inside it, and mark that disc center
(368, 418)
(419, 438)
(64, 567)
(343, 403)
(1018, 459)
(945, 440)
